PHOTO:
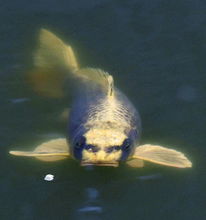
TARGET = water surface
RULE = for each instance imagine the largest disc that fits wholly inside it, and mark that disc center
(156, 52)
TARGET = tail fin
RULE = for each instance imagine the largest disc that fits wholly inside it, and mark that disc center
(52, 61)
(52, 52)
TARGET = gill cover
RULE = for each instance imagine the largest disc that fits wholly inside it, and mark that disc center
(54, 61)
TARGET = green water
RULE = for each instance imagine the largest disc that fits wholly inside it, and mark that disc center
(156, 52)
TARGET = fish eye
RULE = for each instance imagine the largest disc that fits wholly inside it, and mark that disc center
(78, 147)
(126, 144)
(126, 149)
(80, 143)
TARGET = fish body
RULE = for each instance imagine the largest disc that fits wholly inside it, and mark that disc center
(103, 125)
(107, 124)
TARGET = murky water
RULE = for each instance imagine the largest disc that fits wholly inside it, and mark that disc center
(156, 52)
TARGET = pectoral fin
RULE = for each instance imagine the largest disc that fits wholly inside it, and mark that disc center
(135, 163)
(162, 155)
(52, 150)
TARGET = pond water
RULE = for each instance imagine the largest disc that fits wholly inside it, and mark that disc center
(156, 52)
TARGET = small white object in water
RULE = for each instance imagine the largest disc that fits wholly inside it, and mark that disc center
(49, 177)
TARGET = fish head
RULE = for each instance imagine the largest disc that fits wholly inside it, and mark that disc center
(102, 147)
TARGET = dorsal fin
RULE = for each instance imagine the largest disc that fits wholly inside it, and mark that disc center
(99, 77)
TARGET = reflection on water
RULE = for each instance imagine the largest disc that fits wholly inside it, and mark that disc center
(150, 177)
(19, 100)
(90, 207)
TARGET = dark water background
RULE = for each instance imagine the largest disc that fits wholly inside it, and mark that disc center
(156, 52)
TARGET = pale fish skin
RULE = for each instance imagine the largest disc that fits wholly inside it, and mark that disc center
(104, 127)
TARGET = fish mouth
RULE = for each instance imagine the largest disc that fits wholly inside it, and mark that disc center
(100, 164)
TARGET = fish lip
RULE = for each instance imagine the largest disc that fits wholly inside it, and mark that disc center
(100, 164)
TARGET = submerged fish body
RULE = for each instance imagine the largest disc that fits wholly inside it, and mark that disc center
(103, 126)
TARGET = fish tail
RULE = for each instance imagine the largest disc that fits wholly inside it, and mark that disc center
(53, 61)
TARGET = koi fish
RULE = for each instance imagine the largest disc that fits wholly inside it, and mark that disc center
(103, 125)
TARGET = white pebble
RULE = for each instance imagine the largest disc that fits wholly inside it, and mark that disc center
(49, 177)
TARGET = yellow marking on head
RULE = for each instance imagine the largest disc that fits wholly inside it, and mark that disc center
(105, 137)
(101, 156)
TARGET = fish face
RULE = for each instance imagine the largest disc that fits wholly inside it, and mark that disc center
(100, 147)
(108, 156)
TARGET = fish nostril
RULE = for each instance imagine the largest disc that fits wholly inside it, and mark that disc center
(91, 148)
